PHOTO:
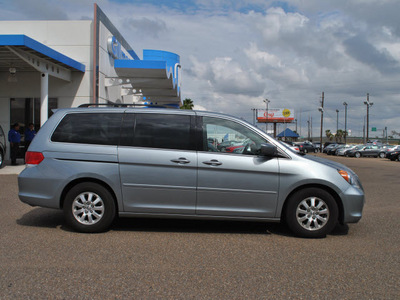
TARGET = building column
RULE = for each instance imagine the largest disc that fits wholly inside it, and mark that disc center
(44, 98)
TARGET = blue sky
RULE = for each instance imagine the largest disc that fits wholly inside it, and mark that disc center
(234, 54)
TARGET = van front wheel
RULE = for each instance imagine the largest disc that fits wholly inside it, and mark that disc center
(89, 207)
(311, 213)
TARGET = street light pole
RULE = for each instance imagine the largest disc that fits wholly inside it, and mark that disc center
(321, 109)
(266, 101)
(345, 122)
(337, 120)
(368, 104)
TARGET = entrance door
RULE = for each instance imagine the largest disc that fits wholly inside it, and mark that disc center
(27, 110)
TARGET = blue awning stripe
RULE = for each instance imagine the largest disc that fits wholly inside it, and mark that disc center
(23, 40)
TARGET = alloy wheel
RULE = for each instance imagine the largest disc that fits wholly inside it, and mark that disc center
(312, 213)
(88, 208)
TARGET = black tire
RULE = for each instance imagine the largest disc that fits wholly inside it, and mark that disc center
(382, 155)
(315, 150)
(305, 150)
(357, 155)
(223, 149)
(89, 207)
(313, 208)
(1, 159)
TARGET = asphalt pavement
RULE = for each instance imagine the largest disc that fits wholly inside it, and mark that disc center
(40, 258)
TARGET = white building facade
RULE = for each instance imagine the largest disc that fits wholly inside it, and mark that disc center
(46, 65)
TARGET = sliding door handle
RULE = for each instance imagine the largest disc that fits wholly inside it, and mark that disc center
(212, 162)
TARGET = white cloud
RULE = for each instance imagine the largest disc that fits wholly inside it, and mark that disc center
(235, 54)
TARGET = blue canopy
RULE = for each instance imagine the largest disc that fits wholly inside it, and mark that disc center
(288, 133)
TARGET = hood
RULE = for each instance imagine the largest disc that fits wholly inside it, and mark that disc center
(329, 163)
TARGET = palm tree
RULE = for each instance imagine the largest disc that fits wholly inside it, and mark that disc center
(339, 135)
(329, 134)
(187, 104)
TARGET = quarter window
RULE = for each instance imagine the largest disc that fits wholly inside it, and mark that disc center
(89, 128)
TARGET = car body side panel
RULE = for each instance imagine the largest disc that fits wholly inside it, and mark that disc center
(242, 185)
(297, 173)
(151, 182)
(43, 184)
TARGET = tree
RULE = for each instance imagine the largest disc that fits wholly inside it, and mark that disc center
(339, 134)
(329, 134)
(187, 104)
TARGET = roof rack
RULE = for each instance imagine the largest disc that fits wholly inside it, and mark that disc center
(88, 105)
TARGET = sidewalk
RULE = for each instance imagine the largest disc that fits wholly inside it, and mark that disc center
(8, 169)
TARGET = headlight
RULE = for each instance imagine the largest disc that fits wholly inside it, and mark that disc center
(349, 178)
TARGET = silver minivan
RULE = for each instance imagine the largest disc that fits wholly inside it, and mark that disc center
(100, 163)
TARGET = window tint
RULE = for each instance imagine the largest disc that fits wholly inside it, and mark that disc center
(221, 135)
(161, 131)
(91, 128)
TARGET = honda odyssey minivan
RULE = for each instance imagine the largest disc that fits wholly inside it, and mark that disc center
(100, 163)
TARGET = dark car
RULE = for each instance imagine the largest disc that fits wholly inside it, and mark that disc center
(393, 154)
(3, 147)
(367, 151)
(333, 150)
(306, 147)
(329, 147)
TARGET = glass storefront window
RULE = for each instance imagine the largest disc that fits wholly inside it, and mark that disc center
(27, 110)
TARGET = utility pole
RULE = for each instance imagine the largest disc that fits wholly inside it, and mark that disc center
(254, 116)
(368, 104)
(266, 101)
(345, 122)
(321, 109)
(337, 120)
(308, 129)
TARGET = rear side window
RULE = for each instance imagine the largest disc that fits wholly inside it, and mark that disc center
(92, 128)
(159, 131)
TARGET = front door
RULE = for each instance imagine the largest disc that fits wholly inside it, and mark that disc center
(235, 181)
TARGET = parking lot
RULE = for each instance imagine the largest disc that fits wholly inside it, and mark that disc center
(176, 259)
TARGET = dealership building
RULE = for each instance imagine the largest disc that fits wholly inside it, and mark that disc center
(46, 65)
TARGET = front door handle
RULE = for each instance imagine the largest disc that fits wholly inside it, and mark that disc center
(181, 161)
(212, 162)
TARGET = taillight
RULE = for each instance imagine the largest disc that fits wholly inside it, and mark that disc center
(33, 158)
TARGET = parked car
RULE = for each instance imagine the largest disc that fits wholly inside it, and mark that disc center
(237, 147)
(3, 147)
(306, 147)
(332, 150)
(394, 153)
(366, 151)
(291, 146)
(96, 164)
(222, 146)
(341, 151)
(328, 147)
(318, 146)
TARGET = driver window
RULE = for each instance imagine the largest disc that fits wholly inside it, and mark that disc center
(226, 136)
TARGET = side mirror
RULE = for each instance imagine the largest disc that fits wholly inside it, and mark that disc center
(268, 150)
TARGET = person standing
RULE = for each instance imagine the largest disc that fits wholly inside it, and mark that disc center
(14, 138)
(29, 135)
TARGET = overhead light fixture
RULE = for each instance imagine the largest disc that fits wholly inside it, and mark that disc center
(12, 77)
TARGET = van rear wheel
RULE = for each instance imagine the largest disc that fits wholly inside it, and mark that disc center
(89, 207)
(311, 213)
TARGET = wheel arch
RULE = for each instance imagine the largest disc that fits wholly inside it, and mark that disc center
(320, 186)
(87, 179)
